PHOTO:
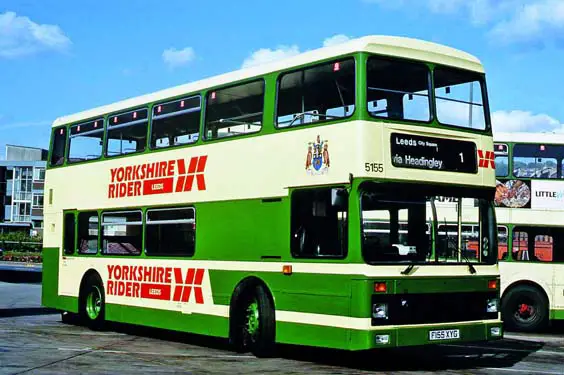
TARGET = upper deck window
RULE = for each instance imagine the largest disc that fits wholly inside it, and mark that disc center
(86, 141)
(398, 90)
(321, 93)
(234, 110)
(176, 123)
(537, 161)
(501, 160)
(58, 146)
(127, 132)
(459, 98)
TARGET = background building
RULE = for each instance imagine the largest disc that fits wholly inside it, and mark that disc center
(22, 176)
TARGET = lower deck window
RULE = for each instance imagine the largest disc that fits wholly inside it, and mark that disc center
(319, 228)
(88, 233)
(170, 232)
(122, 233)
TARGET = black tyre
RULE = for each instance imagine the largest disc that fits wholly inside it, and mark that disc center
(68, 317)
(253, 324)
(92, 302)
(525, 308)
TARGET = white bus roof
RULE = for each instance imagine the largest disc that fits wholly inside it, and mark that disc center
(529, 137)
(384, 45)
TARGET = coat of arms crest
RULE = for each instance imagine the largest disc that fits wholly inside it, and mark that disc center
(317, 159)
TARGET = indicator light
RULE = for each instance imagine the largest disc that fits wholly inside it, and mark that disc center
(492, 284)
(380, 287)
(287, 270)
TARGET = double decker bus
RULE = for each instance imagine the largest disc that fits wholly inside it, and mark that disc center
(296, 202)
(530, 210)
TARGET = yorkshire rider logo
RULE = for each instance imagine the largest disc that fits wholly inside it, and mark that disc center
(317, 160)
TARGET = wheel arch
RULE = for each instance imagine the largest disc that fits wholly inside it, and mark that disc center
(530, 283)
(244, 286)
(87, 274)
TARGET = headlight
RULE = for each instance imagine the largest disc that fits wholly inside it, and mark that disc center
(493, 305)
(380, 310)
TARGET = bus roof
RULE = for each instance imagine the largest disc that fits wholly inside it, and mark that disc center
(529, 137)
(384, 45)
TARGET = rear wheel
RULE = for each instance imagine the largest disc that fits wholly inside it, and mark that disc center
(525, 308)
(253, 323)
(92, 302)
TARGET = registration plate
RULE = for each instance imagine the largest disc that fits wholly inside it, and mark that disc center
(444, 334)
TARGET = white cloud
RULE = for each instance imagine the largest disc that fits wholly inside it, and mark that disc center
(537, 22)
(177, 57)
(335, 39)
(534, 22)
(267, 55)
(19, 36)
(524, 121)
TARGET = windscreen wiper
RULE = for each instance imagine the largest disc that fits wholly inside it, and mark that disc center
(408, 269)
(302, 115)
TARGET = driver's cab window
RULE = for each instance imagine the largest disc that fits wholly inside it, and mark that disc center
(319, 223)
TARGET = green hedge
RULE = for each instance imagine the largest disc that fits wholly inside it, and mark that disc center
(20, 242)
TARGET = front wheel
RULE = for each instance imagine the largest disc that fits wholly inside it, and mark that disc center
(92, 302)
(254, 323)
(525, 309)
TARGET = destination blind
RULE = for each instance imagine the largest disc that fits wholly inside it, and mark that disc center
(420, 152)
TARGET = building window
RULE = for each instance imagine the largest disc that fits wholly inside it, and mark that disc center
(176, 123)
(127, 133)
(38, 174)
(235, 110)
(170, 232)
(122, 233)
(38, 201)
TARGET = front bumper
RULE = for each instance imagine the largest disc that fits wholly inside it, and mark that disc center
(402, 336)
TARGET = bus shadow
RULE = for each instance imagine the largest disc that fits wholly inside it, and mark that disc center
(464, 356)
(25, 311)
(467, 356)
(23, 277)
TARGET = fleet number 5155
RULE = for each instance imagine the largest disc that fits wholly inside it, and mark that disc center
(373, 167)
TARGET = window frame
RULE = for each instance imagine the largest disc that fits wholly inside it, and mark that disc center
(69, 138)
(109, 127)
(147, 222)
(98, 237)
(485, 100)
(101, 236)
(538, 144)
(345, 249)
(168, 101)
(52, 146)
(205, 94)
(64, 251)
(332, 60)
(505, 154)
(430, 88)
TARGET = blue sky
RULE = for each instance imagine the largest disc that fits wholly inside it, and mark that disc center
(59, 56)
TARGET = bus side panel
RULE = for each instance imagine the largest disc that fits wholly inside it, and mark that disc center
(171, 320)
(50, 283)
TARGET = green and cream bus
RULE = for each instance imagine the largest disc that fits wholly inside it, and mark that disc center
(530, 211)
(243, 206)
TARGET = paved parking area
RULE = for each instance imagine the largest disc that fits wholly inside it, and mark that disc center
(33, 340)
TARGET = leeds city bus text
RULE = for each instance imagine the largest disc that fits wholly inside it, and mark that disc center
(297, 202)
